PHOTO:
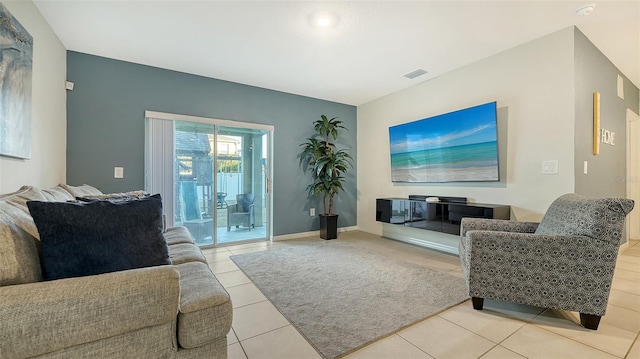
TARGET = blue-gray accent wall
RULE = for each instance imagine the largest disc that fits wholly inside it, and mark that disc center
(595, 73)
(105, 128)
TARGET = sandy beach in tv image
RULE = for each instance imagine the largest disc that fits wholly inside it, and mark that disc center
(456, 146)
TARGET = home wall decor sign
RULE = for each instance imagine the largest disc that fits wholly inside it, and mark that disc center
(16, 60)
(607, 137)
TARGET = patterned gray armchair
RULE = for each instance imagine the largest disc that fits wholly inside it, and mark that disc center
(564, 262)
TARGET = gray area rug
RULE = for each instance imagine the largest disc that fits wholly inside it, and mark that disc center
(342, 296)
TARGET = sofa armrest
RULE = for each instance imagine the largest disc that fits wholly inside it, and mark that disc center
(502, 225)
(43, 317)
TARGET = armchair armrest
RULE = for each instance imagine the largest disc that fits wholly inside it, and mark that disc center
(503, 225)
(43, 317)
(542, 270)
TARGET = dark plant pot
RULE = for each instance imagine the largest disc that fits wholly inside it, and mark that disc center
(328, 226)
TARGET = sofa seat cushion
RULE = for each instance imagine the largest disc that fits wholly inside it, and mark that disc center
(79, 239)
(19, 245)
(177, 235)
(47, 317)
(184, 253)
(205, 306)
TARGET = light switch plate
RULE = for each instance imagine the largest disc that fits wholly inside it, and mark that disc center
(118, 172)
(620, 87)
(550, 167)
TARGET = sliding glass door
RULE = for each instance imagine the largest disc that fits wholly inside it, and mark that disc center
(216, 174)
(193, 174)
(241, 178)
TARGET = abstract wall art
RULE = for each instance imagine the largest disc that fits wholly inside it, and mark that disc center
(16, 60)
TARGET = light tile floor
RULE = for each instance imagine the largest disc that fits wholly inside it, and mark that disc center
(501, 330)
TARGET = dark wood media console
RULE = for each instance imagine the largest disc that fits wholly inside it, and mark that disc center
(442, 216)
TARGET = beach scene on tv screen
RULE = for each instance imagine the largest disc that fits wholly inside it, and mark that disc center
(453, 147)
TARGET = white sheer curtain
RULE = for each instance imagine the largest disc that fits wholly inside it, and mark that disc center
(160, 162)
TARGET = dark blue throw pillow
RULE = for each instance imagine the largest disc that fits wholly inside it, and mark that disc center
(80, 239)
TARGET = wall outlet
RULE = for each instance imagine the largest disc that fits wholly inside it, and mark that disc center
(118, 172)
(312, 212)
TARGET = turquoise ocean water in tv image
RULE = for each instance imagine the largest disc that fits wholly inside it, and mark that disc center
(463, 162)
(472, 155)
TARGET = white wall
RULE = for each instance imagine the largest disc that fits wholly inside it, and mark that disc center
(47, 166)
(534, 82)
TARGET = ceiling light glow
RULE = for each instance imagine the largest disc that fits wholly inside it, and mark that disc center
(324, 19)
(323, 22)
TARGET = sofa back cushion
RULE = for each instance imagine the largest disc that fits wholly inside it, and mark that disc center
(87, 238)
(115, 197)
(19, 245)
(598, 218)
(57, 194)
(81, 191)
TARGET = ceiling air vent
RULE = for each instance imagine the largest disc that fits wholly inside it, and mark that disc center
(414, 74)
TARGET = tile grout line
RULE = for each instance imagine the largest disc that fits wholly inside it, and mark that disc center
(246, 305)
(577, 342)
(524, 322)
(239, 343)
(470, 331)
(410, 343)
(635, 341)
(537, 326)
(269, 331)
(236, 285)
(617, 306)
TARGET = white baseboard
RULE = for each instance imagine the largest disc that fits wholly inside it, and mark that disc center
(623, 246)
(429, 239)
(285, 237)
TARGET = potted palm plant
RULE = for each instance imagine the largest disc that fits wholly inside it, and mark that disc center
(327, 165)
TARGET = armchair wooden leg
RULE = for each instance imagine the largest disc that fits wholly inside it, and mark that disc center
(477, 303)
(590, 321)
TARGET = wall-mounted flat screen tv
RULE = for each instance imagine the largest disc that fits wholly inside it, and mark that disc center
(460, 146)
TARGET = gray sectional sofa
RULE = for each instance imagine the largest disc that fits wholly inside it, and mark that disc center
(167, 311)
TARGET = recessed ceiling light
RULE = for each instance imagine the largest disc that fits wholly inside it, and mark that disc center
(585, 10)
(324, 19)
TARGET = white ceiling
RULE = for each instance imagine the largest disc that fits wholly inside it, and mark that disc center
(272, 44)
